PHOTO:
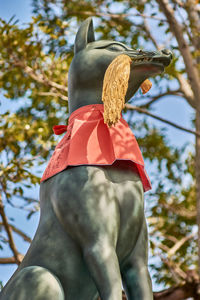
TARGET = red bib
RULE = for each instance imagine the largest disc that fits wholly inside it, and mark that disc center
(89, 141)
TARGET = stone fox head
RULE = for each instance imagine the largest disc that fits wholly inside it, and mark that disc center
(92, 58)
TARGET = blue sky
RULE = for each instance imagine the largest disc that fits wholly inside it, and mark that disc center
(172, 108)
(20, 8)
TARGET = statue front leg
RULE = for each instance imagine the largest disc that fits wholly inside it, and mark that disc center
(103, 265)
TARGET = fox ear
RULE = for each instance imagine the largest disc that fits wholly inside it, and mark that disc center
(84, 35)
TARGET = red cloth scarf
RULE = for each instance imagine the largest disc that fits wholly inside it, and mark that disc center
(89, 141)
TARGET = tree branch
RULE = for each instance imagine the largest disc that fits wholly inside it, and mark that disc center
(180, 243)
(175, 269)
(53, 94)
(178, 2)
(38, 77)
(148, 32)
(11, 260)
(18, 231)
(177, 29)
(167, 93)
(146, 112)
(185, 88)
(183, 212)
(8, 260)
(9, 233)
(193, 15)
(180, 292)
(116, 16)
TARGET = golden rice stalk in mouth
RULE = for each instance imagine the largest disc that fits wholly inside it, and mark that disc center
(115, 86)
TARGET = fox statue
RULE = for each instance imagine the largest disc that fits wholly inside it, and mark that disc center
(92, 237)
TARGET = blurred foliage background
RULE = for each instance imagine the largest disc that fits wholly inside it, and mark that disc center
(34, 62)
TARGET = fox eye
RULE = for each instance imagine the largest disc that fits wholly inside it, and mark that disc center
(116, 48)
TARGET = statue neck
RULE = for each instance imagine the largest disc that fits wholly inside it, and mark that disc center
(84, 97)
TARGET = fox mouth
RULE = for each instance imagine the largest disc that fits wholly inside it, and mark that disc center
(163, 61)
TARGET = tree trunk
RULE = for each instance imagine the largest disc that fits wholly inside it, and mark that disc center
(197, 170)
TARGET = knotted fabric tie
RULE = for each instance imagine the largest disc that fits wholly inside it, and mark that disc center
(59, 129)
